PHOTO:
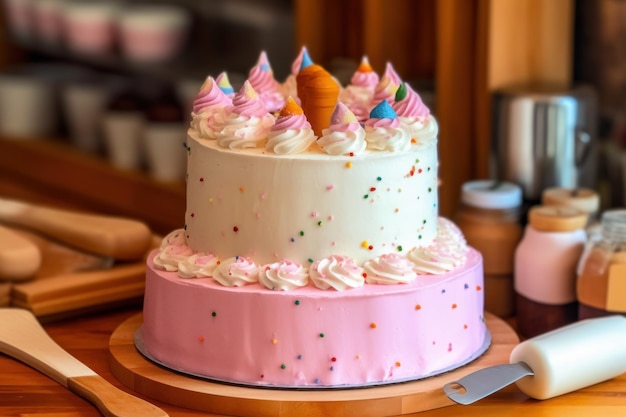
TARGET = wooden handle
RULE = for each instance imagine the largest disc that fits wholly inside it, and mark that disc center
(23, 338)
(110, 400)
(120, 238)
(19, 258)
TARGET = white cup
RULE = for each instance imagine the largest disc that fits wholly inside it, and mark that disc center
(20, 18)
(153, 33)
(122, 137)
(84, 105)
(166, 155)
(89, 26)
(27, 109)
(47, 18)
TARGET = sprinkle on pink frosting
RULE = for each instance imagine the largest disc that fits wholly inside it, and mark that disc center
(412, 105)
(248, 103)
(210, 95)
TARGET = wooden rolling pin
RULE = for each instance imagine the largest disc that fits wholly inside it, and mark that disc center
(119, 238)
(19, 258)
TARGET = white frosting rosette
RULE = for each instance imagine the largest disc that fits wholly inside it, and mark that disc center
(447, 252)
(291, 132)
(199, 265)
(248, 123)
(290, 141)
(208, 123)
(338, 272)
(385, 132)
(390, 268)
(283, 276)
(424, 131)
(388, 138)
(240, 132)
(173, 250)
(236, 272)
(345, 134)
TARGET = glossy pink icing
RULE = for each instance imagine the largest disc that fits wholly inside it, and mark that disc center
(368, 78)
(210, 96)
(292, 121)
(248, 103)
(387, 86)
(312, 338)
(343, 119)
(411, 106)
(262, 79)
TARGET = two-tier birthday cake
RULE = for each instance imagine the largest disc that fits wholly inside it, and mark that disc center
(312, 253)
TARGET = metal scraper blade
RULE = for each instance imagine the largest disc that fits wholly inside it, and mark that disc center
(484, 382)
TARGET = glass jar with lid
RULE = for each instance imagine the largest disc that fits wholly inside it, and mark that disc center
(601, 283)
(489, 217)
(545, 268)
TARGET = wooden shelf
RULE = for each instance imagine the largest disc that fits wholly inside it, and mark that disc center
(52, 172)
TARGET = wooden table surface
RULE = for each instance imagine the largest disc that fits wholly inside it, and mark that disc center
(25, 392)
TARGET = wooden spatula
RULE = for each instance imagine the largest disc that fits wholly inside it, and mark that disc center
(118, 237)
(23, 338)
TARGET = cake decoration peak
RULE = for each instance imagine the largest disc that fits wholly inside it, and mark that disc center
(291, 108)
(264, 62)
(223, 82)
(248, 91)
(383, 110)
(365, 66)
(342, 114)
(306, 60)
(401, 92)
(297, 63)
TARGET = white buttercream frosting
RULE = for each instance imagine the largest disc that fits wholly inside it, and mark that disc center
(338, 272)
(198, 265)
(284, 275)
(390, 268)
(387, 137)
(447, 252)
(236, 272)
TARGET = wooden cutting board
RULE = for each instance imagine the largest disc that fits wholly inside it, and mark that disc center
(153, 381)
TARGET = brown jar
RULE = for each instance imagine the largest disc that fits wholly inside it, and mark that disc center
(489, 217)
(601, 284)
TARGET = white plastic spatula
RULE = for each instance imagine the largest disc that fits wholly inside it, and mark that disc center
(555, 363)
(23, 338)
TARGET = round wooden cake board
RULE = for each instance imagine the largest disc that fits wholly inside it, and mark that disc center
(154, 381)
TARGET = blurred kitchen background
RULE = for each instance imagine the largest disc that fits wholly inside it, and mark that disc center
(95, 94)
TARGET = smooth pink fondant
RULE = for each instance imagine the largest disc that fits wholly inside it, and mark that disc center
(310, 337)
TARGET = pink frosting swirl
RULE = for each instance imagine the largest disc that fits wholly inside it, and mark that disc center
(262, 79)
(387, 86)
(247, 102)
(368, 80)
(411, 106)
(209, 96)
(390, 268)
(385, 122)
(292, 121)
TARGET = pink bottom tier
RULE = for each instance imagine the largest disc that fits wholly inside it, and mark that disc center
(313, 338)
